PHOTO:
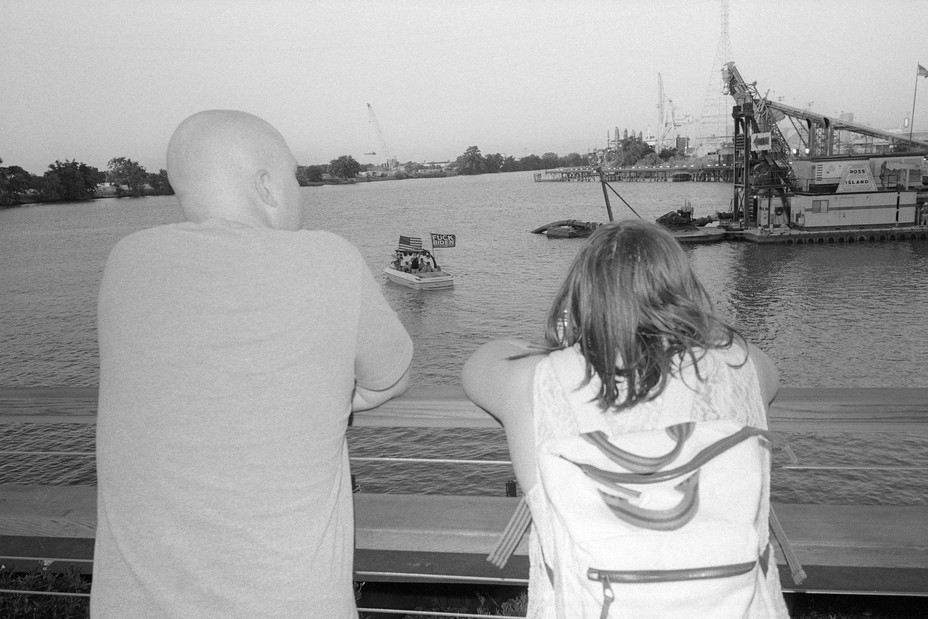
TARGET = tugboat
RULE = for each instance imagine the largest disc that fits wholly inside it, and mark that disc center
(416, 267)
(686, 229)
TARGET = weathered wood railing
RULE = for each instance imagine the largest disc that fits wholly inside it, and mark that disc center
(419, 538)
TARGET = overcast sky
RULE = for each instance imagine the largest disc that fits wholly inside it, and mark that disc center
(92, 80)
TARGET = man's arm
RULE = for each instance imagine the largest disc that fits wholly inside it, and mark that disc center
(365, 399)
(384, 349)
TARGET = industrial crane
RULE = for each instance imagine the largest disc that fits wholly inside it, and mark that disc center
(764, 167)
(390, 161)
(667, 121)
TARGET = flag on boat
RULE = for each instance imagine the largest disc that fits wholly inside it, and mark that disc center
(922, 71)
(443, 240)
(410, 243)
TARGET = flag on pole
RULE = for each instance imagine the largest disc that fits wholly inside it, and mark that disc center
(922, 71)
(410, 243)
(443, 240)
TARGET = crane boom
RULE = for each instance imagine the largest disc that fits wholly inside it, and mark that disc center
(661, 120)
(390, 162)
(769, 113)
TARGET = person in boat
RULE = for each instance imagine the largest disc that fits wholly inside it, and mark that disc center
(233, 348)
(427, 262)
(686, 211)
(629, 317)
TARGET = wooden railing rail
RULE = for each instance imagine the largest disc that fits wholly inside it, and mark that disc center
(428, 538)
(796, 409)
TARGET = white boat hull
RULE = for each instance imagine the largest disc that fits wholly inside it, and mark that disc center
(434, 280)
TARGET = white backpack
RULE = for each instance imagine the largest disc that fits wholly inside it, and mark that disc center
(657, 523)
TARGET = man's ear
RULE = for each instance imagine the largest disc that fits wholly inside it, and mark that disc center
(264, 188)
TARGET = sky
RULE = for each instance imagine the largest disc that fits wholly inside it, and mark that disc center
(93, 80)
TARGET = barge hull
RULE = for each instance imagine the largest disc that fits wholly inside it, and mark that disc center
(799, 236)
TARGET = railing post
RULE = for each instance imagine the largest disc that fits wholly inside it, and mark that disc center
(511, 488)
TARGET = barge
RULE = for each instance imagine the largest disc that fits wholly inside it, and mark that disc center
(824, 195)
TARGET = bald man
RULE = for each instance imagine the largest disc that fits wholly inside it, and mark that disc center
(233, 348)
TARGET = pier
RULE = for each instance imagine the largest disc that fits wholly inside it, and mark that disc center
(411, 538)
(680, 172)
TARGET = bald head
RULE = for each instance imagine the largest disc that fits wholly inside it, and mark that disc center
(233, 165)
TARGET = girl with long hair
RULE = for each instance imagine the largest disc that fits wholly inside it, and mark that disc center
(632, 342)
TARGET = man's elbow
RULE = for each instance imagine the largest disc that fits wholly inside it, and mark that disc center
(365, 399)
(401, 385)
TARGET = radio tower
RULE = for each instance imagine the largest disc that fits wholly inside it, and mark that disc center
(715, 123)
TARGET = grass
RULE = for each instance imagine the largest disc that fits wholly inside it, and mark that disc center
(37, 606)
(818, 606)
(498, 601)
(512, 601)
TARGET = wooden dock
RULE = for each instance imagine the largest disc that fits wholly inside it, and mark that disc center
(847, 549)
(669, 172)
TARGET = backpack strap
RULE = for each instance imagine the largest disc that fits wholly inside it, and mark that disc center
(637, 463)
(515, 529)
(611, 478)
(668, 519)
(795, 568)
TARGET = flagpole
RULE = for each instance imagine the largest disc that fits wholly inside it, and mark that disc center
(915, 94)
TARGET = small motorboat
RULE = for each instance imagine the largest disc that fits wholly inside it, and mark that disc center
(567, 229)
(417, 268)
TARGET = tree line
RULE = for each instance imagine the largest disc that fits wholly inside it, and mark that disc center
(70, 180)
(73, 181)
(627, 151)
(631, 149)
(472, 161)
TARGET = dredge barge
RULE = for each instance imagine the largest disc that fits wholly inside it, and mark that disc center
(823, 196)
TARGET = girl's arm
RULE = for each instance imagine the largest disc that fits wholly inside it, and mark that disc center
(767, 373)
(503, 387)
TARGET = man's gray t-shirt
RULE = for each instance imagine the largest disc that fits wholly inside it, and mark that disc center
(228, 359)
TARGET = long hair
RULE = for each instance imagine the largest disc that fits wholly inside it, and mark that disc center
(636, 309)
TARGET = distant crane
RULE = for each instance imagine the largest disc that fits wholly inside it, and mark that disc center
(667, 120)
(390, 161)
(715, 122)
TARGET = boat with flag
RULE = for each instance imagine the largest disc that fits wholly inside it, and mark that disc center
(416, 267)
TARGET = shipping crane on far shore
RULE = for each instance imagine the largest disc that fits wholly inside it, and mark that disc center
(384, 151)
(667, 120)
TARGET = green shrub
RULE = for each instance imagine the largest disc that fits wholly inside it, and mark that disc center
(42, 606)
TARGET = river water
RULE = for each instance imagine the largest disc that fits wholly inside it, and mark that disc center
(829, 315)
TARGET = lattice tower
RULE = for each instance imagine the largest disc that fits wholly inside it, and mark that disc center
(715, 123)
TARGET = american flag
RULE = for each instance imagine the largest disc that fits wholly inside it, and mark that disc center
(410, 243)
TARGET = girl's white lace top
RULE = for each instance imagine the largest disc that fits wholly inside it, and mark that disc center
(729, 389)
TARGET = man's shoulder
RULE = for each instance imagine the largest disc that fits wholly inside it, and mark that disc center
(323, 244)
(325, 238)
(143, 238)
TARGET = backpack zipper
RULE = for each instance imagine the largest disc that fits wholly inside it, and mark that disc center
(606, 577)
(608, 593)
